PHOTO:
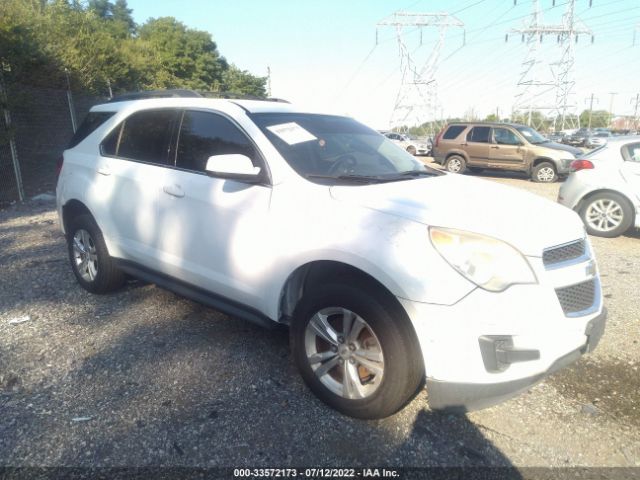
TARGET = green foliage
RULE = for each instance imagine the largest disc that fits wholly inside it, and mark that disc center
(98, 44)
(599, 118)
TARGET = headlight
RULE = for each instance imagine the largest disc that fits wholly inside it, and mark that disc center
(489, 263)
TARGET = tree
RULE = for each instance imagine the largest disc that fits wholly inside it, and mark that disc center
(185, 58)
(599, 118)
(239, 81)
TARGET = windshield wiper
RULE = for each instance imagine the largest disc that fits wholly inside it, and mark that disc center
(354, 178)
(419, 173)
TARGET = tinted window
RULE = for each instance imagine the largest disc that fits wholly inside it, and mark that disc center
(90, 123)
(145, 136)
(479, 135)
(203, 135)
(504, 136)
(453, 131)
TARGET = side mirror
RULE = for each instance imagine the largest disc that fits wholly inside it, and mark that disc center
(233, 166)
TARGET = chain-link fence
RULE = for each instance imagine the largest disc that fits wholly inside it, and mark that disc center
(36, 124)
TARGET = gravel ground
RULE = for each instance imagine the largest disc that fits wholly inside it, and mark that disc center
(143, 377)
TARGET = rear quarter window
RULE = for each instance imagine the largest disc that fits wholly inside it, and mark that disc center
(453, 131)
(89, 125)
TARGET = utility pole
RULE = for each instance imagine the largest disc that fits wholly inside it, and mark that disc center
(417, 98)
(269, 82)
(592, 98)
(613, 94)
(540, 79)
(636, 109)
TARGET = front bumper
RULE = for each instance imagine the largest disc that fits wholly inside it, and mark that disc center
(489, 346)
(466, 397)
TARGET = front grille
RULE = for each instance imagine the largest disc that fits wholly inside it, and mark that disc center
(577, 298)
(563, 253)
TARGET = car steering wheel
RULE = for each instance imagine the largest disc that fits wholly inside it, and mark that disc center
(346, 162)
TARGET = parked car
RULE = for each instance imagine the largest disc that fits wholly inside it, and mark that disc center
(598, 139)
(411, 145)
(579, 138)
(474, 146)
(556, 137)
(386, 271)
(605, 187)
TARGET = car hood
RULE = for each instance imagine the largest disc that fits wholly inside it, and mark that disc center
(560, 146)
(526, 221)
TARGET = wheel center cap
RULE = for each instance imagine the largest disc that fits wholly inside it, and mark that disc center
(344, 352)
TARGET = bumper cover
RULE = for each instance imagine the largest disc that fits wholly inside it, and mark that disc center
(465, 397)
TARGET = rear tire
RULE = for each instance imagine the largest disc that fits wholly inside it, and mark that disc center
(607, 214)
(455, 164)
(94, 269)
(544, 172)
(386, 342)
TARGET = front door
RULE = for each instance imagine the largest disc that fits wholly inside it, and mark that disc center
(212, 229)
(506, 150)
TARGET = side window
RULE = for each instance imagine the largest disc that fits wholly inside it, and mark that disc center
(633, 152)
(205, 134)
(89, 125)
(144, 136)
(479, 135)
(504, 136)
(453, 131)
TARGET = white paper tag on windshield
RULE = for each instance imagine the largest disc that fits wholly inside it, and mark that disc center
(291, 133)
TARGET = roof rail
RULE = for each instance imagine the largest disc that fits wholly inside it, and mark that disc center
(240, 96)
(173, 93)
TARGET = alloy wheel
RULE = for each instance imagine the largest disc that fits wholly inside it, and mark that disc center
(546, 174)
(454, 165)
(85, 255)
(344, 353)
(604, 215)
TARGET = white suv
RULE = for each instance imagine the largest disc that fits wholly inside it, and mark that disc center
(387, 272)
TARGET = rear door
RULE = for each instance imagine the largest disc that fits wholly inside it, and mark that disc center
(133, 161)
(631, 166)
(506, 150)
(477, 145)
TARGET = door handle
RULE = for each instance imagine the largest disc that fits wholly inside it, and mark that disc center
(495, 146)
(463, 144)
(173, 190)
(104, 170)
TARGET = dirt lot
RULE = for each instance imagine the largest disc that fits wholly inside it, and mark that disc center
(142, 377)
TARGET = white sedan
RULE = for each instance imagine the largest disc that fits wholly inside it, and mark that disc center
(605, 187)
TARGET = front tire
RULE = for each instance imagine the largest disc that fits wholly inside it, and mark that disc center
(544, 172)
(607, 214)
(94, 269)
(355, 351)
(455, 164)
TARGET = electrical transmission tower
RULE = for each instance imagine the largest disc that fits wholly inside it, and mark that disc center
(547, 87)
(417, 99)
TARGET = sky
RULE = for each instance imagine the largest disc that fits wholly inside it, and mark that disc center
(323, 54)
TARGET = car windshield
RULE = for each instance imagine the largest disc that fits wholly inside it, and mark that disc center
(332, 149)
(531, 135)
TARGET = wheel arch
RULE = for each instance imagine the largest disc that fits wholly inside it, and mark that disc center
(578, 207)
(316, 272)
(538, 160)
(459, 153)
(71, 209)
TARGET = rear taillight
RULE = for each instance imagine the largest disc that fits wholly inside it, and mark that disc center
(59, 165)
(581, 165)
